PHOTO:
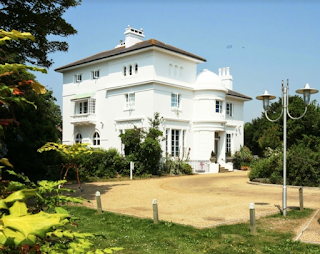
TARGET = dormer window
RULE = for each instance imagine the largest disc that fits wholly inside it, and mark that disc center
(124, 71)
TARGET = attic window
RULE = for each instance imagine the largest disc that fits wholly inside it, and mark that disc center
(130, 69)
(124, 71)
(136, 68)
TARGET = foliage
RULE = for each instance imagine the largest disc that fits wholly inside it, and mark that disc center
(262, 131)
(303, 163)
(175, 166)
(143, 147)
(142, 235)
(41, 18)
(101, 163)
(242, 157)
(70, 153)
(35, 129)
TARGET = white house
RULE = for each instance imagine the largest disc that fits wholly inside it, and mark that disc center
(107, 93)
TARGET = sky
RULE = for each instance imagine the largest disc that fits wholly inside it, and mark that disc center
(263, 42)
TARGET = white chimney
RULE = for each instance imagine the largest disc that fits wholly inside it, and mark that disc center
(133, 36)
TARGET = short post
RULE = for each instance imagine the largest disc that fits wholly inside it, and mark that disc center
(98, 199)
(155, 211)
(131, 169)
(252, 219)
(301, 198)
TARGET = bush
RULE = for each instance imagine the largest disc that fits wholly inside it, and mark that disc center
(242, 157)
(101, 163)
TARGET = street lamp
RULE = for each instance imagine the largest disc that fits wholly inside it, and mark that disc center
(266, 97)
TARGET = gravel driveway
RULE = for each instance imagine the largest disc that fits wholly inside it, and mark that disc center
(197, 200)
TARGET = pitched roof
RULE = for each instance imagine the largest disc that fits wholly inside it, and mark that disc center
(239, 95)
(123, 50)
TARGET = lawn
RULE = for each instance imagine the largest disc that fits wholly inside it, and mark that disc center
(274, 234)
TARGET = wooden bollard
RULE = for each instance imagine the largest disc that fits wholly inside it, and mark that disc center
(98, 199)
(252, 219)
(155, 211)
(301, 198)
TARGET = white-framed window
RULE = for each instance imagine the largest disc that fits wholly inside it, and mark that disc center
(175, 100)
(130, 100)
(78, 78)
(95, 74)
(229, 109)
(85, 106)
(218, 106)
(167, 136)
(175, 144)
(136, 68)
(96, 139)
(228, 146)
(124, 71)
(78, 138)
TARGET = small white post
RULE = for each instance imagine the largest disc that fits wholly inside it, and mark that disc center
(301, 198)
(131, 169)
(98, 199)
(252, 219)
(155, 211)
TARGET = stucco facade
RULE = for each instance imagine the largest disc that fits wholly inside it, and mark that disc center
(105, 94)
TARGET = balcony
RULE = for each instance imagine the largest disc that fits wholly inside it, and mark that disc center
(83, 119)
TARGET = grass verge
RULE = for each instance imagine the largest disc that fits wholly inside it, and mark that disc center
(143, 236)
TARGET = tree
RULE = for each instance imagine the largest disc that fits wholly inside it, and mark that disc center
(40, 18)
(36, 128)
(144, 147)
(264, 130)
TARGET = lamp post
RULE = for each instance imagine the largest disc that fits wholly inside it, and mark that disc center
(266, 97)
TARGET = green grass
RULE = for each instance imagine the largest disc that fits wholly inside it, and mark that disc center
(143, 236)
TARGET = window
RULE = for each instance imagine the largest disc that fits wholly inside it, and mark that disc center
(78, 138)
(130, 69)
(78, 78)
(218, 106)
(96, 139)
(175, 100)
(124, 71)
(83, 107)
(87, 106)
(130, 100)
(175, 136)
(167, 136)
(228, 146)
(229, 109)
(95, 74)
(136, 69)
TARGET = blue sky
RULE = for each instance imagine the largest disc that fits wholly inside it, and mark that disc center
(263, 42)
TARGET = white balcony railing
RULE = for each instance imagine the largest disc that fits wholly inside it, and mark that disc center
(83, 119)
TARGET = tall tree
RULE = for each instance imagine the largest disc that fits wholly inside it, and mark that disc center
(40, 18)
(269, 134)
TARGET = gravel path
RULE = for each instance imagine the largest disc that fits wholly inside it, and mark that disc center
(198, 200)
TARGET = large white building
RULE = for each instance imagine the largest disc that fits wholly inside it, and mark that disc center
(107, 93)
